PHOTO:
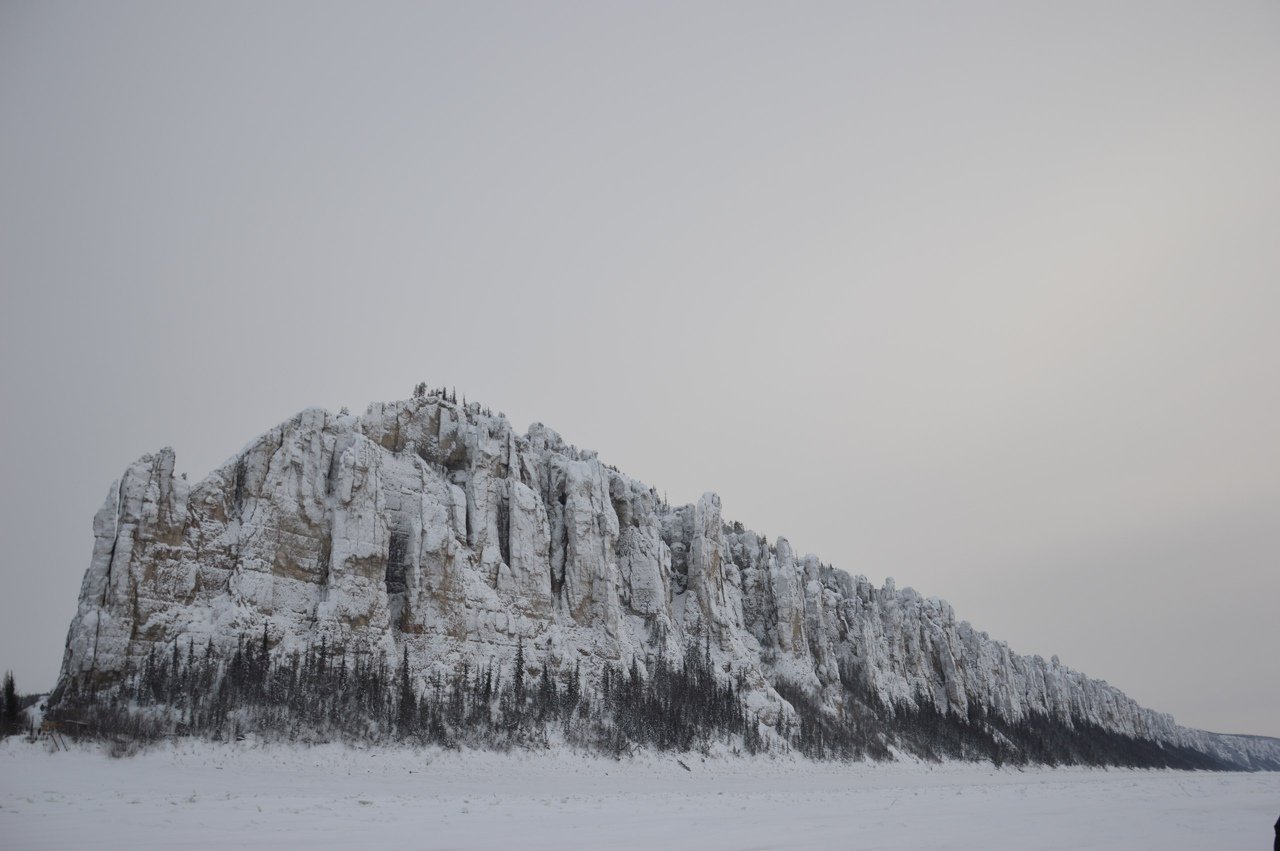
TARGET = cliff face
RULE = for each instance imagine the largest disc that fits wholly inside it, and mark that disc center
(435, 528)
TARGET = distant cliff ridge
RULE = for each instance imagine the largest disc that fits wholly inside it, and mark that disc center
(436, 574)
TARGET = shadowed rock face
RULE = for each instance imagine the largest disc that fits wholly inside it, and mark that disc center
(435, 527)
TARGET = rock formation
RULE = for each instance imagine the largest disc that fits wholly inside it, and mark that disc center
(435, 528)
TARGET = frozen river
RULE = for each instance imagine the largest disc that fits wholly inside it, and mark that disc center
(199, 795)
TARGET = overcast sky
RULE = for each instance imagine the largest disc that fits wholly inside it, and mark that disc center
(984, 297)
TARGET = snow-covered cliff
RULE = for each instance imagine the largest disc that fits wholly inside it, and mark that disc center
(436, 528)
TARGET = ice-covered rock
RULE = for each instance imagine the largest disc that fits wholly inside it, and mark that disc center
(434, 527)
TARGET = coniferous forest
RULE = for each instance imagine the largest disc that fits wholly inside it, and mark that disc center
(328, 694)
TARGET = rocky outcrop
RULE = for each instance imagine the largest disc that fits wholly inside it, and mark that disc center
(432, 531)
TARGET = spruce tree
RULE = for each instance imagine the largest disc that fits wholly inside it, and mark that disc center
(408, 699)
(519, 677)
(11, 708)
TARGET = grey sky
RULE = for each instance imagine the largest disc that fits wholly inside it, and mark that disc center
(983, 297)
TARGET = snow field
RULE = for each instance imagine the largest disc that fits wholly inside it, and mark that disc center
(198, 795)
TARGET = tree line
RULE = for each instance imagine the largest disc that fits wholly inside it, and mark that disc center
(866, 725)
(327, 693)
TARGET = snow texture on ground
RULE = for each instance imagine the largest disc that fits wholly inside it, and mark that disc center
(200, 795)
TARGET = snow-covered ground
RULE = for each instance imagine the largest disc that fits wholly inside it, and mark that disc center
(199, 795)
